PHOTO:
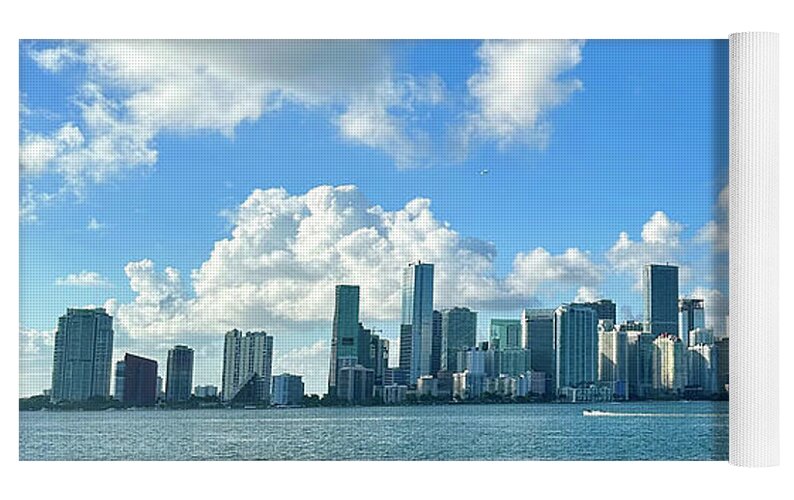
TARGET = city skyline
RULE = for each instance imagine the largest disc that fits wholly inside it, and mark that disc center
(503, 229)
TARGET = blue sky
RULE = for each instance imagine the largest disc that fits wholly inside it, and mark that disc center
(137, 157)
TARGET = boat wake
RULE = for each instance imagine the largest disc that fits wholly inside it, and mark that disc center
(599, 413)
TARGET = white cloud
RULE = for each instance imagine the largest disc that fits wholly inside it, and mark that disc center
(37, 150)
(310, 361)
(32, 341)
(134, 90)
(83, 278)
(587, 294)
(286, 253)
(30, 202)
(660, 243)
(54, 59)
(539, 267)
(518, 83)
(94, 225)
(714, 234)
(715, 304)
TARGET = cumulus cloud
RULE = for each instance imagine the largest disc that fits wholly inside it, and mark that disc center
(287, 252)
(311, 361)
(518, 83)
(136, 89)
(715, 232)
(83, 278)
(715, 304)
(587, 294)
(660, 243)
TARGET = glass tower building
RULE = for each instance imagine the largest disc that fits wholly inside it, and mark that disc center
(576, 345)
(82, 357)
(179, 374)
(660, 291)
(347, 332)
(417, 317)
(458, 333)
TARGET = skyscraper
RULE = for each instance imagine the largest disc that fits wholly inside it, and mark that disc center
(669, 367)
(660, 291)
(458, 333)
(179, 374)
(247, 357)
(505, 334)
(118, 391)
(537, 335)
(613, 353)
(82, 357)
(346, 331)
(435, 357)
(605, 309)
(576, 345)
(691, 316)
(417, 318)
(287, 390)
(140, 380)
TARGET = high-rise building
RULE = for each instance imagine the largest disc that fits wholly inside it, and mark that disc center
(701, 367)
(576, 345)
(512, 361)
(700, 336)
(246, 357)
(723, 356)
(206, 391)
(537, 335)
(379, 357)
(417, 312)
(458, 333)
(118, 391)
(472, 360)
(613, 354)
(669, 368)
(82, 358)
(691, 316)
(287, 390)
(179, 374)
(605, 309)
(640, 361)
(660, 291)
(356, 384)
(435, 357)
(505, 334)
(160, 392)
(140, 381)
(347, 331)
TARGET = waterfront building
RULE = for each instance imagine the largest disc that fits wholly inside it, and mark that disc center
(288, 390)
(179, 374)
(660, 293)
(669, 369)
(82, 357)
(206, 391)
(505, 334)
(379, 357)
(723, 357)
(160, 392)
(396, 376)
(346, 331)
(472, 360)
(640, 363)
(118, 390)
(537, 335)
(605, 309)
(512, 361)
(394, 394)
(435, 358)
(140, 381)
(416, 330)
(691, 316)
(247, 357)
(458, 333)
(613, 354)
(576, 345)
(702, 367)
(355, 383)
(467, 385)
(592, 393)
(427, 386)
